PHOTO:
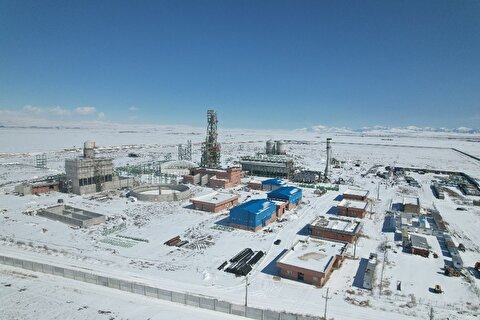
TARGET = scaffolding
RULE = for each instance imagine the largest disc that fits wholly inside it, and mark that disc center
(211, 147)
(41, 161)
(185, 153)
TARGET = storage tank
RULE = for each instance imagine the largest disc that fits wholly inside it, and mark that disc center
(280, 147)
(270, 147)
(89, 149)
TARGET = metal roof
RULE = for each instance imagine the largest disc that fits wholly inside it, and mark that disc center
(273, 181)
(284, 192)
(254, 206)
(419, 242)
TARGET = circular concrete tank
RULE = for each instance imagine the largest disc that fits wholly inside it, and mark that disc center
(161, 192)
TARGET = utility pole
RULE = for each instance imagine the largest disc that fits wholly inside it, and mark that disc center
(326, 302)
(246, 291)
(383, 265)
(431, 313)
(378, 190)
(355, 248)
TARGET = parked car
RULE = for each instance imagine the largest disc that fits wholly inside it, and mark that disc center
(277, 242)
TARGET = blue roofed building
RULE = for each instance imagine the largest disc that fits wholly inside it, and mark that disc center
(292, 195)
(253, 215)
(272, 184)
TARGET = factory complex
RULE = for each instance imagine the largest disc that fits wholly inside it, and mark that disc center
(255, 227)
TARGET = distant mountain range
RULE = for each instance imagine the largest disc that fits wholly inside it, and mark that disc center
(389, 130)
(376, 130)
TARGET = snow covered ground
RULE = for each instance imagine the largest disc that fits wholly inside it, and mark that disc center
(193, 268)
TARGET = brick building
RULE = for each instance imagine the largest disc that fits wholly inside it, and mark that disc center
(214, 202)
(37, 187)
(411, 205)
(356, 194)
(419, 245)
(214, 178)
(352, 208)
(335, 229)
(312, 261)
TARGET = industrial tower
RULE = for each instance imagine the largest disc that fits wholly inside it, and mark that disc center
(211, 148)
(329, 158)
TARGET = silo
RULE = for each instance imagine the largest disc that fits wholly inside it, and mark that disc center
(280, 147)
(270, 147)
(89, 149)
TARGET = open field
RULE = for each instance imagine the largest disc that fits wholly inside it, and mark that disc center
(193, 267)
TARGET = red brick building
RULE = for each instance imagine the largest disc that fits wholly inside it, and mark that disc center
(351, 208)
(254, 185)
(37, 187)
(214, 178)
(335, 229)
(312, 261)
(419, 245)
(214, 202)
(356, 194)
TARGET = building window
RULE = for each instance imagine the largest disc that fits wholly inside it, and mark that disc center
(315, 279)
(289, 272)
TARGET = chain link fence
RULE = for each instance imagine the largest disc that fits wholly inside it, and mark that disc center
(189, 299)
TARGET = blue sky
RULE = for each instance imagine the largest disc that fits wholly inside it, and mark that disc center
(260, 64)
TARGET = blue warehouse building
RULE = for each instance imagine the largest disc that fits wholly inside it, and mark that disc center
(253, 215)
(292, 195)
(272, 184)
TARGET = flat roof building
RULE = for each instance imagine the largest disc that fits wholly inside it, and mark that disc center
(267, 165)
(411, 205)
(89, 174)
(253, 215)
(312, 261)
(335, 229)
(214, 178)
(356, 194)
(214, 202)
(37, 187)
(419, 245)
(352, 208)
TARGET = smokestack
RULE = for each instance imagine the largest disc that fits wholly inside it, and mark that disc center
(329, 155)
(89, 149)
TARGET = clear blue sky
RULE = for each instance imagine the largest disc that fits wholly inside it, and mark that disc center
(258, 63)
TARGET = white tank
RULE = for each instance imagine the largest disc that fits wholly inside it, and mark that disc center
(270, 147)
(280, 147)
(89, 149)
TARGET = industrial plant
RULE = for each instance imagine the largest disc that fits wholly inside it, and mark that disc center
(90, 174)
(289, 220)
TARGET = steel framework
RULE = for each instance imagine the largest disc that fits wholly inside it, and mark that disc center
(211, 147)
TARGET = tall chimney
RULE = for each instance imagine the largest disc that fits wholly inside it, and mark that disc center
(329, 155)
